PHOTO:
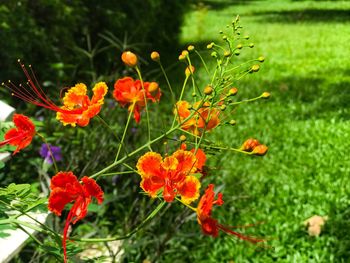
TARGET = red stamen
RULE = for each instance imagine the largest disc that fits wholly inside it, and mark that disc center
(250, 239)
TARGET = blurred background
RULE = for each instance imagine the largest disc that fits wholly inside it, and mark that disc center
(305, 123)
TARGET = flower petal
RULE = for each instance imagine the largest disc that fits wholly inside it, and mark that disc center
(189, 190)
(58, 200)
(149, 164)
(93, 188)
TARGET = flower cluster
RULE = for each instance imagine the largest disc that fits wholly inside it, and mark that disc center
(170, 177)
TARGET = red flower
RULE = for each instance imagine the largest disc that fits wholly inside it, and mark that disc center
(173, 175)
(77, 107)
(66, 189)
(22, 135)
(210, 226)
(128, 91)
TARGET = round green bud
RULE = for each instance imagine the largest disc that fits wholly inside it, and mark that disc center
(223, 107)
(213, 54)
(255, 68)
(194, 94)
(227, 53)
(239, 46)
(261, 59)
(224, 37)
(190, 48)
(246, 37)
(221, 32)
(232, 122)
(237, 52)
(251, 45)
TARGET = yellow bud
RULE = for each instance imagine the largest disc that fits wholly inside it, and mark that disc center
(189, 70)
(223, 107)
(261, 59)
(210, 46)
(266, 95)
(190, 48)
(153, 86)
(184, 53)
(182, 57)
(224, 37)
(183, 138)
(251, 45)
(260, 149)
(227, 53)
(239, 46)
(155, 56)
(129, 59)
(208, 90)
(233, 91)
(232, 122)
(255, 68)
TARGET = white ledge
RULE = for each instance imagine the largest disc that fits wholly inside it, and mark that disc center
(12, 244)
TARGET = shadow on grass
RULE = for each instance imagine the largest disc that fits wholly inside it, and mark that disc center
(305, 15)
(222, 4)
(337, 226)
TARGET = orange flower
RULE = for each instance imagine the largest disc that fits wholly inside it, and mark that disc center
(22, 135)
(66, 189)
(128, 91)
(203, 119)
(173, 175)
(78, 108)
(210, 226)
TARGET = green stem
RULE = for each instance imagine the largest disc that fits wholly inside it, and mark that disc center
(204, 64)
(167, 81)
(135, 230)
(104, 123)
(146, 104)
(125, 130)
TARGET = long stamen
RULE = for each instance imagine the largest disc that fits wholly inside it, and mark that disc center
(250, 239)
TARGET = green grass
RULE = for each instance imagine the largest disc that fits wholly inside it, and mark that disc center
(305, 124)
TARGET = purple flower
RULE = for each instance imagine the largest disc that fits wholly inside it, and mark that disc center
(45, 153)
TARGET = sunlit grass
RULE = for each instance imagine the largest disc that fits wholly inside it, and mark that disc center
(305, 123)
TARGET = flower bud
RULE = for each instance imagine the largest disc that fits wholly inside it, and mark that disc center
(182, 57)
(224, 37)
(184, 53)
(255, 68)
(155, 56)
(153, 86)
(227, 53)
(232, 122)
(233, 91)
(223, 107)
(194, 94)
(208, 90)
(210, 46)
(239, 46)
(237, 52)
(214, 54)
(221, 32)
(246, 37)
(261, 59)
(189, 70)
(182, 138)
(190, 48)
(129, 59)
(266, 95)
(260, 149)
(249, 145)
(251, 45)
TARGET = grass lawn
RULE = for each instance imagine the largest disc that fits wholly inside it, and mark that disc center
(305, 124)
